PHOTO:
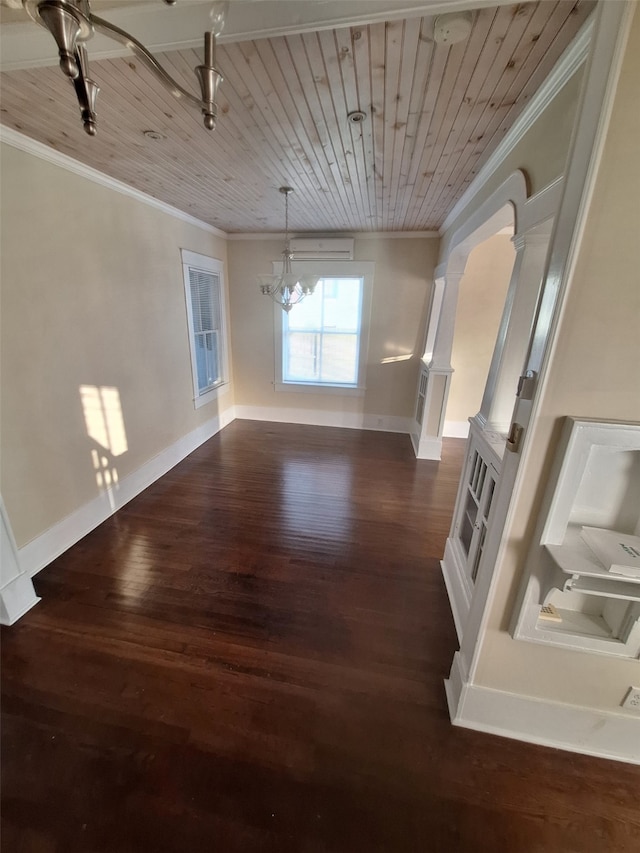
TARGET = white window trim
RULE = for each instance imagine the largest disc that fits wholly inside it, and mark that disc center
(193, 260)
(329, 269)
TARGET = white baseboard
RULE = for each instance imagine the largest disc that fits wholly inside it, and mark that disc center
(16, 598)
(429, 448)
(38, 553)
(456, 429)
(588, 731)
(320, 417)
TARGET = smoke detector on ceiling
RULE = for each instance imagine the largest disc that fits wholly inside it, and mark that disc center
(452, 28)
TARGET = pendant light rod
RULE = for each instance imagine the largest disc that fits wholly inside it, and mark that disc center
(288, 288)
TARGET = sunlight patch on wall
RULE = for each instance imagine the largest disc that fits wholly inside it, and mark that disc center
(103, 417)
(393, 358)
(105, 426)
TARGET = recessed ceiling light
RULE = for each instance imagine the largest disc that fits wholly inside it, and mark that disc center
(356, 116)
(154, 134)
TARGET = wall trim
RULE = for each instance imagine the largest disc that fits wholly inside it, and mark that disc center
(357, 235)
(320, 417)
(17, 594)
(429, 448)
(573, 57)
(16, 599)
(38, 553)
(599, 733)
(57, 158)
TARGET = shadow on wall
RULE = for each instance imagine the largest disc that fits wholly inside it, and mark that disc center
(105, 426)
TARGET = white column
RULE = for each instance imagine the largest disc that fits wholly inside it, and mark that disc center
(438, 371)
(17, 594)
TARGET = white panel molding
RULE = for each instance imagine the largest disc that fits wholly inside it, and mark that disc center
(502, 209)
(38, 553)
(456, 429)
(540, 207)
(575, 55)
(319, 417)
(588, 731)
(459, 587)
(51, 155)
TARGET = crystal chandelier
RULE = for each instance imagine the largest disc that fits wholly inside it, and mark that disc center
(72, 24)
(287, 288)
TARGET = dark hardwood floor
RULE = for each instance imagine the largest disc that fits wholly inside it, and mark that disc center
(250, 657)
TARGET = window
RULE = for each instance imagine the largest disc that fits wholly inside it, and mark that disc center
(323, 340)
(204, 296)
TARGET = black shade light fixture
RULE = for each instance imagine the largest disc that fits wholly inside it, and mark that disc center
(72, 24)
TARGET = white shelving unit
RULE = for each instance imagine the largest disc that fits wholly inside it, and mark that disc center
(464, 548)
(595, 483)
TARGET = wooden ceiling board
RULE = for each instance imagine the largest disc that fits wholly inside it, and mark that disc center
(434, 114)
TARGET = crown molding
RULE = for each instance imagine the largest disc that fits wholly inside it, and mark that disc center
(51, 155)
(573, 57)
(357, 235)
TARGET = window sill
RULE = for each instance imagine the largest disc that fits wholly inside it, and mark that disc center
(308, 388)
(210, 395)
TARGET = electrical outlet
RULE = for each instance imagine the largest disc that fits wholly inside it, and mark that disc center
(632, 700)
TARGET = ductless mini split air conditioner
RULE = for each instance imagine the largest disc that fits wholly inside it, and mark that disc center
(322, 249)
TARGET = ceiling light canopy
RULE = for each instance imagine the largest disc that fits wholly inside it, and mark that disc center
(72, 24)
(287, 288)
(453, 27)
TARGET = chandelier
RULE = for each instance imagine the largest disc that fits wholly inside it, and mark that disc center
(287, 288)
(72, 24)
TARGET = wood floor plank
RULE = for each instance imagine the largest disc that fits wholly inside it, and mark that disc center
(250, 657)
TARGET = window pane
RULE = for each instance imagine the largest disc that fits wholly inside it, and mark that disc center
(321, 336)
(205, 306)
(308, 314)
(342, 311)
(205, 300)
(301, 357)
(207, 360)
(340, 358)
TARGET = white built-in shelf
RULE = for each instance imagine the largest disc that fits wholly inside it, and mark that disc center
(595, 482)
(586, 572)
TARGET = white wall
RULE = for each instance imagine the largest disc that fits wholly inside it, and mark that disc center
(402, 284)
(92, 298)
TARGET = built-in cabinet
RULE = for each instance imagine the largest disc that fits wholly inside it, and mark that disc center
(476, 492)
(571, 597)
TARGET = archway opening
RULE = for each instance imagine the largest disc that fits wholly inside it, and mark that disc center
(481, 300)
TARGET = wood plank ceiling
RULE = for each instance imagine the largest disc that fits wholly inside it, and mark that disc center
(434, 113)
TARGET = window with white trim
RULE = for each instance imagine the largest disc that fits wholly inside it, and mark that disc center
(204, 296)
(323, 340)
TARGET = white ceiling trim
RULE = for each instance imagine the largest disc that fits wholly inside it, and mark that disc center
(162, 28)
(43, 152)
(359, 235)
(565, 68)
